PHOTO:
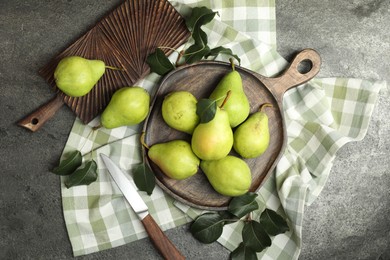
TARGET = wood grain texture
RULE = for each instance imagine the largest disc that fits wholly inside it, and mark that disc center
(165, 246)
(122, 39)
(200, 79)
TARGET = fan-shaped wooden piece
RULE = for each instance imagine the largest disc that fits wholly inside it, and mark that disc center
(122, 39)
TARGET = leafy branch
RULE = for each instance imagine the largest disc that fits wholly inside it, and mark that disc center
(159, 62)
(256, 234)
(77, 173)
(84, 174)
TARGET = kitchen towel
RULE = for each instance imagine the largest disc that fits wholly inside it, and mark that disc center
(321, 116)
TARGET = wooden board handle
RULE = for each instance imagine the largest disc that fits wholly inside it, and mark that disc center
(166, 248)
(295, 74)
(39, 117)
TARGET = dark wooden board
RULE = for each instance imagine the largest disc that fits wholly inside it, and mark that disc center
(200, 79)
(123, 39)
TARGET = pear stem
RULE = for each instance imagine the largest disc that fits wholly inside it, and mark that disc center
(226, 99)
(142, 140)
(114, 68)
(265, 105)
(232, 63)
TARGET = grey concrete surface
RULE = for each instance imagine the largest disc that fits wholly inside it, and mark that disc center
(350, 220)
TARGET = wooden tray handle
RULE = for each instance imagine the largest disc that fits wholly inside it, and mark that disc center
(295, 74)
(38, 118)
(166, 248)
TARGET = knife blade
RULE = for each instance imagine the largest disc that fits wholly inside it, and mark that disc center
(127, 186)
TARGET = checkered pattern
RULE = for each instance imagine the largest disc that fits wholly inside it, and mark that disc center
(321, 116)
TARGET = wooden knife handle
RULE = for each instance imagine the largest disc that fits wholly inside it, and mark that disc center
(166, 248)
(38, 118)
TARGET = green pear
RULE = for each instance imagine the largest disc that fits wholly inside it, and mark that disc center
(238, 106)
(175, 159)
(213, 140)
(179, 111)
(229, 176)
(128, 106)
(252, 137)
(76, 76)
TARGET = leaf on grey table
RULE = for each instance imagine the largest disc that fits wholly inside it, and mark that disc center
(244, 204)
(84, 175)
(255, 237)
(144, 178)
(207, 227)
(68, 165)
(243, 252)
(206, 109)
(273, 223)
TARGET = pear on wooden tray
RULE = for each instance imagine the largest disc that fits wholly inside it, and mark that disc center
(251, 138)
(213, 140)
(175, 159)
(179, 111)
(229, 176)
(238, 107)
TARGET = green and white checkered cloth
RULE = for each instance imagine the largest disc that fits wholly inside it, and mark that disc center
(321, 116)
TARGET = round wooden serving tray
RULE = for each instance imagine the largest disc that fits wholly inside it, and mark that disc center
(200, 79)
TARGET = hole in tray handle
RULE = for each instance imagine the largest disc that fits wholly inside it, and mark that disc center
(305, 66)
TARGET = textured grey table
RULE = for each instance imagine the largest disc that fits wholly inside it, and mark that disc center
(350, 220)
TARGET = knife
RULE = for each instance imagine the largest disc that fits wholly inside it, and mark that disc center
(166, 248)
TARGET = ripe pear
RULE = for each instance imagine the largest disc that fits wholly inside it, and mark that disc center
(175, 159)
(229, 176)
(252, 137)
(128, 106)
(179, 111)
(213, 140)
(238, 106)
(76, 76)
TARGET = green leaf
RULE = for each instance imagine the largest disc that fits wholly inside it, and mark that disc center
(255, 237)
(273, 223)
(70, 164)
(206, 109)
(227, 216)
(200, 37)
(199, 16)
(159, 63)
(242, 205)
(144, 178)
(83, 175)
(243, 252)
(195, 53)
(207, 227)
(222, 50)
